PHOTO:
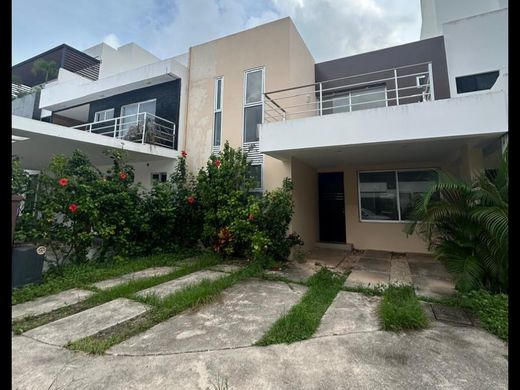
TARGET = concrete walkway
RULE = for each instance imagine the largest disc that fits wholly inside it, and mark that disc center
(146, 273)
(442, 357)
(193, 349)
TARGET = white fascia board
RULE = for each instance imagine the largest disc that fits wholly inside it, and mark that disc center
(24, 127)
(456, 117)
(77, 91)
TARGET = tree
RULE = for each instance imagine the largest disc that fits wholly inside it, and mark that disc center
(48, 68)
(466, 225)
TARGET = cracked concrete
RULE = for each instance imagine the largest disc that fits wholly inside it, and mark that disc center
(437, 358)
(239, 318)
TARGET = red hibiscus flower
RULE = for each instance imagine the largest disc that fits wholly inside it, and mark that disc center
(191, 200)
(217, 163)
(63, 182)
(73, 207)
(123, 175)
(183, 153)
(250, 217)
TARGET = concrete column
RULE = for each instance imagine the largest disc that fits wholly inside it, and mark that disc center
(472, 162)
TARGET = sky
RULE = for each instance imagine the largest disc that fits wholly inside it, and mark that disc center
(330, 28)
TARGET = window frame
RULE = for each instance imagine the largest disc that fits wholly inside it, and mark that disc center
(396, 173)
(218, 110)
(261, 188)
(159, 173)
(138, 106)
(104, 112)
(255, 104)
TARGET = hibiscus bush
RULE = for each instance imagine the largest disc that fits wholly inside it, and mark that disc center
(80, 213)
(238, 222)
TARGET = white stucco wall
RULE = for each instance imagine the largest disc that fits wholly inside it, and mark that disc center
(126, 57)
(462, 116)
(476, 45)
(437, 12)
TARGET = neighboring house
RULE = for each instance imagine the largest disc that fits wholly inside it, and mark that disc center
(361, 136)
(100, 98)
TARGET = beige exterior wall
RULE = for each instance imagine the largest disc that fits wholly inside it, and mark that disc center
(305, 196)
(275, 46)
(387, 236)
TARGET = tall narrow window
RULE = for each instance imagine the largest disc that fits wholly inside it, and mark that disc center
(217, 123)
(253, 104)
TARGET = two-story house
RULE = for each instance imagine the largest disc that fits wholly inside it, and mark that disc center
(360, 136)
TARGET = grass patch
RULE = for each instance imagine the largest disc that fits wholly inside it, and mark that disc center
(492, 311)
(125, 290)
(303, 319)
(400, 309)
(82, 275)
(190, 297)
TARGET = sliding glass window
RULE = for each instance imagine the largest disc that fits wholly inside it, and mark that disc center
(391, 195)
(253, 103)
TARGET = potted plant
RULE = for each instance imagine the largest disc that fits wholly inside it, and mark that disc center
(26, 259)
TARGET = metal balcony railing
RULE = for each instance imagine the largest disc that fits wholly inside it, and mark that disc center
(389, 87)
(143, 128)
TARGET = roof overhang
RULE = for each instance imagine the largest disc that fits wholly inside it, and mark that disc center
(35, 142)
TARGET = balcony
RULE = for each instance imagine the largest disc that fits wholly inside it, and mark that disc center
(142, 128)
(375, 111)
(389, 87)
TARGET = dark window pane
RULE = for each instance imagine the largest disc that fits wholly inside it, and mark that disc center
(378, 196)
(254, 87)
(412, 186)
(252, 117)
(476, 82)
(255, 171)
(219, 93)
(217, 130)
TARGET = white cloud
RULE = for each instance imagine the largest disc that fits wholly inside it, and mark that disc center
(330, 28)
(112, 40)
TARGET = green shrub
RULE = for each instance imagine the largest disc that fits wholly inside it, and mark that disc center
(492, 310)
(466, 225)
(400, 309)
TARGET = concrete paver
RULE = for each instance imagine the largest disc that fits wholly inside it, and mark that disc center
(88, 322)
(372, 264)
(349, 312)
(367, 279)
(400, 272)
(164, 289)
(239, 318)
(229, 268)
(146, 273)
(49, 303)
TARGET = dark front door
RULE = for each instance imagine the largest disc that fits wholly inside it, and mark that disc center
(332, 207)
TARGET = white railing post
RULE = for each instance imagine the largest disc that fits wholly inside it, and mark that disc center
(430, 80)
(144, 126)
(321, 99)
(396, 87)
(90, 128)
(115, 127)
(173, 136)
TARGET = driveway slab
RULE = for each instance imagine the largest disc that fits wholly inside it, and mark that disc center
(88, 322)
(164, 289)
(349, 312)
(229, 268)
(49, 303)
(400, 272)
(239, 318)
(442, 357)
(146, 273)
(378, 254)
